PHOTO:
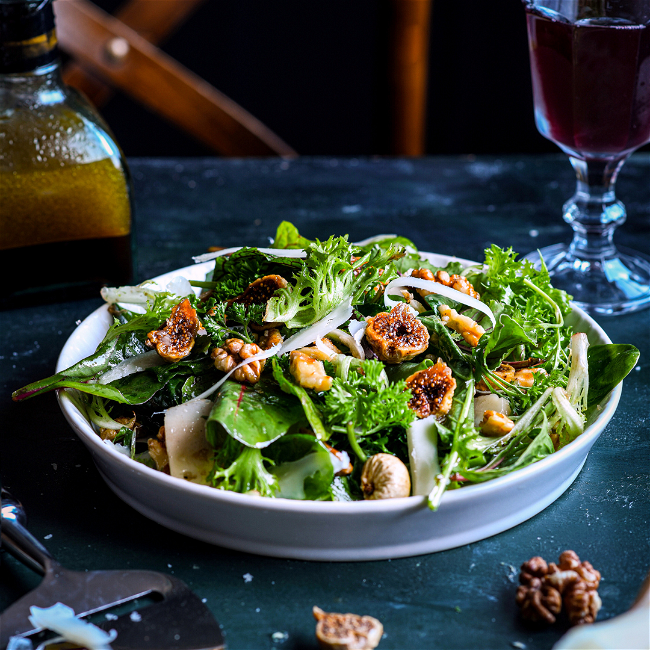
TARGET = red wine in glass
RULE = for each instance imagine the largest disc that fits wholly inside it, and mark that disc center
(590, 65)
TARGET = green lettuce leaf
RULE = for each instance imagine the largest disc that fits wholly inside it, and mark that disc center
(302, 466)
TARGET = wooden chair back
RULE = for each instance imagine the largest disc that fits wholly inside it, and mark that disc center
(121, 51)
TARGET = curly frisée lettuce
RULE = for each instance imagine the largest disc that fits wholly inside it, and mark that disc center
(289, 370)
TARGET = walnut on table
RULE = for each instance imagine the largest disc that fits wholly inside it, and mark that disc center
(347, 631)
(547, 589)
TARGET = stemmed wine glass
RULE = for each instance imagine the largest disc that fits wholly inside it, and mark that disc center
(590, 65)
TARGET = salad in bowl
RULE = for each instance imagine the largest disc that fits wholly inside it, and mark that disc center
(334, 371)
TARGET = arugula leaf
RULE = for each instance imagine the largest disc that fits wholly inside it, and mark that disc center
(609, 364)
(539, 447)
(402, 371)
(463, 429)
(111, 351)
(508, 334)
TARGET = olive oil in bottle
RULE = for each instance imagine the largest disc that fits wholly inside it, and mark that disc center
(65, 193)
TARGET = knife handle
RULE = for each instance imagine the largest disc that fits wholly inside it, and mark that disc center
(18, 540)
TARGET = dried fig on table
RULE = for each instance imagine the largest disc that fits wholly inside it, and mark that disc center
(347, 631)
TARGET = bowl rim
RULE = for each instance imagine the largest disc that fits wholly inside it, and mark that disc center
(450, 498)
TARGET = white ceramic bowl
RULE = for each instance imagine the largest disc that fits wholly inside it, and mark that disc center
(315, 530)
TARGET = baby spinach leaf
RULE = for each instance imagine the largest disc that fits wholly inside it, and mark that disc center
(133, 389)
(609, 364)
(287, 236)
(255, 415)
(402, 371)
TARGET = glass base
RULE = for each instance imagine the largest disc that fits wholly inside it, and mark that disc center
(616, 283)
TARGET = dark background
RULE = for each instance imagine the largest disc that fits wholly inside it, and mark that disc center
(315, 73)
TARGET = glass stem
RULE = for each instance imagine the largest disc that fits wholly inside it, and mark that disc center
(594, 212)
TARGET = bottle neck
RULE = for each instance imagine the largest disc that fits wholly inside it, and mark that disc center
(28, 40)
(42, 85)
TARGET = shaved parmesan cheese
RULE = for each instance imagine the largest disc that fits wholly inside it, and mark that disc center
(118, 447)
(319, 329)
(357, 326)
(61, 619)
(180, 286)
(129, 366)
(328, 352)
(422, 438)
(491, 402)
(129, 295)
(187, 448)
(435, 287)
(282, 252)
(305, 337)
(278, 252)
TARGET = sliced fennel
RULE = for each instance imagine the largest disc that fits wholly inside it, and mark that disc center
(578, 385)
(422, 437)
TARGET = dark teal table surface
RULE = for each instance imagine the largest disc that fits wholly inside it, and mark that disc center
(457, 599)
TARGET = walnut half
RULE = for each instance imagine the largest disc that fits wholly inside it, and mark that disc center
(547, 589)
(233, 352)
